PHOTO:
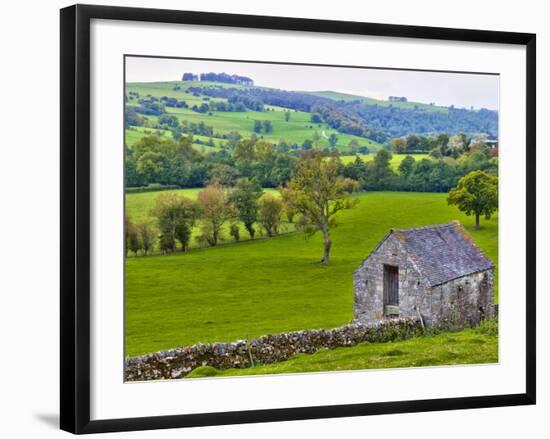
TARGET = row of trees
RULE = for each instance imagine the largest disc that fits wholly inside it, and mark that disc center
(176, 216)
(424, 175)
(315, 193)
(264, 126)
(441, 145)
(163, 161)
(156, 160)
(226, 78)
(218, 77)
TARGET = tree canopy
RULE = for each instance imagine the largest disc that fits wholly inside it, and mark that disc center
(245, 198)
(476, 193)
(317, 192)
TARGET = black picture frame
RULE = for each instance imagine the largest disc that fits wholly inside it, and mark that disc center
(75, 217)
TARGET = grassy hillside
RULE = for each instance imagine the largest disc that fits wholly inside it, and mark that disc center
(296, 130)
(409, 105)
(268, 286)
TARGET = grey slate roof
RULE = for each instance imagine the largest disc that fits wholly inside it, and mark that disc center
(443, 252)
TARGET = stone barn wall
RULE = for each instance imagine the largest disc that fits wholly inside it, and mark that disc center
(466, 300)
(368, 286)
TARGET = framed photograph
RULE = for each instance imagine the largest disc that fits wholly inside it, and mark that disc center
(273, 218)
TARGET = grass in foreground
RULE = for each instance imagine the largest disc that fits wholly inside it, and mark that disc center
(249, 289)
(469, 346)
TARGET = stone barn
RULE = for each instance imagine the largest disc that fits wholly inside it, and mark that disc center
(434, 272)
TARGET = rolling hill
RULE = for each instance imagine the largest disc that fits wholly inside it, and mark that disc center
(337, 96)
(294, 131)
(295, 116)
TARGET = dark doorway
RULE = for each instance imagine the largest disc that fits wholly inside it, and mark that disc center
(391, 285)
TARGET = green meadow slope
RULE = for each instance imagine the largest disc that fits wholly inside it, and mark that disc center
(248, 289)
(296, 130)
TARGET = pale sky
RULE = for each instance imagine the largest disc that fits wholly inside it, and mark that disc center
(458, 89)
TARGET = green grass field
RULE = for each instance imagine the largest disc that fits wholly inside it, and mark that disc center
(296, 130)
(249, 289)
(470, 346)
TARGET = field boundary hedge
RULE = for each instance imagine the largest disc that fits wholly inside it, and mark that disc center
(177, 363)
(153, 187)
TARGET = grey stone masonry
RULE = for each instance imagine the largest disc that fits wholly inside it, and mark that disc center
(442, 278)
(177, 363)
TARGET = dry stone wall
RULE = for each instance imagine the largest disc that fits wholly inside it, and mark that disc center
(176, 363)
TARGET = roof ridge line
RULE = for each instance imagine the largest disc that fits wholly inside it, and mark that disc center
(453, 223)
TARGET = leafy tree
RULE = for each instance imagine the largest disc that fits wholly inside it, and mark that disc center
(476, 193)
(267, 126)
(130, 171)
(169, 120)
(149, 166)
(353, 145)
(189, 77)
(442, 140)
(317, 192)
(316, 118)
(379, 172)
(482, 148)
(134, 243)
(270, 213)
(307, 144)
(176, 216)
(290, 214)
(263, 151)
(399, 145)
(244, 150)
(232, 138)
(413, 143)
(216, 209)
(234, 231)
(129, 229)
(355, 170)
(333, 140)
(163, 161)
(224, 174)
(457, 144)
(406, 166)
(283, 147)
(166, 243)
(147, 236)
(316, 139)
(257, 126)
(183, 234)
(245, 198)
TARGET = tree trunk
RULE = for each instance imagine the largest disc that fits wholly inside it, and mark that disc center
(326, 253)
(250, 230)
(477, 221)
